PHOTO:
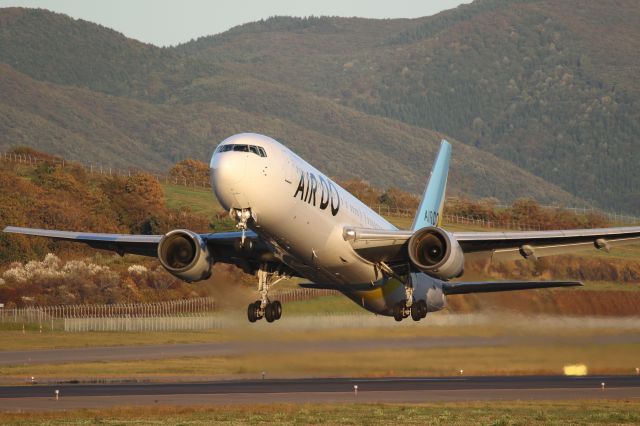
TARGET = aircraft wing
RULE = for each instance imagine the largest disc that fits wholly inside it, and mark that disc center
(391, 246)
(222, 245)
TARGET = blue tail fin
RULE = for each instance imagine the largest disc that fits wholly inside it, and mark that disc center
(430, 210)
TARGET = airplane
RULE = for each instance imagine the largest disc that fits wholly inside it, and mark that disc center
(294, 221)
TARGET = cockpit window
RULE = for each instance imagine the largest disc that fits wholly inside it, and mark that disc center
(257, 150)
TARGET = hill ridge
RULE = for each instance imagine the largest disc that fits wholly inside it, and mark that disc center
(522, 81)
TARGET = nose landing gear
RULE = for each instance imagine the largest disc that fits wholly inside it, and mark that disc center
(264, 308)
(241, 216)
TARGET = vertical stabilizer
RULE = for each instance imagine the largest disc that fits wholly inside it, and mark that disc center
(430, 210)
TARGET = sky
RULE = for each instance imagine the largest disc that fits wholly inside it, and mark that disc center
(167, 23)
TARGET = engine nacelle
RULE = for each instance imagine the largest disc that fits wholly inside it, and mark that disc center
(184, 254)
(436, 253)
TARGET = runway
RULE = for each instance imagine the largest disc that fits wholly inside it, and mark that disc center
(404, 390)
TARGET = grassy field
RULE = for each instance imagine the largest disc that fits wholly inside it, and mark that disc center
(200, 201)
(525, 345)
(482, 413)
(516, 359)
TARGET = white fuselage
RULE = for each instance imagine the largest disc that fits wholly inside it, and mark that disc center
(303, 213)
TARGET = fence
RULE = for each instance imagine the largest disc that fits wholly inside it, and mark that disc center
(40, 314)
(300, 295)
(99, 169)
(186, 314)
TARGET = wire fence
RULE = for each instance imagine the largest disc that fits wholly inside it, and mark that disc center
(386, 210)
(99, 169)
(40, 314)
(186, 314)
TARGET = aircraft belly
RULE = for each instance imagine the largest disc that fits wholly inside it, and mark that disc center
(381, 297)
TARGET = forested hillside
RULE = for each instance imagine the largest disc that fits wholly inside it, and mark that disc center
(539, 97)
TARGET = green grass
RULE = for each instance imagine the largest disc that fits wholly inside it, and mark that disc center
(446, 413)
(517, 359)
(200, 201)
(13, 338)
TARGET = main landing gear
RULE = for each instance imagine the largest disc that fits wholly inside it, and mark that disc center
(417, 310)
(264, 308)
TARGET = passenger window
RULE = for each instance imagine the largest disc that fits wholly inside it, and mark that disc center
(243, 148)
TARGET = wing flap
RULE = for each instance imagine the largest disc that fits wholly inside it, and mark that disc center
(490, 287)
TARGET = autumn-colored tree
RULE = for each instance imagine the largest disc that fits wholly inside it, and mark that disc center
(189, 171)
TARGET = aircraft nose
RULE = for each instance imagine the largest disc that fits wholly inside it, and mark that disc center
(228, 168)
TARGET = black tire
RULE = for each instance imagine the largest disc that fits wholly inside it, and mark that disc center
(398, 313)
(270, 313)
(423, 308)
(256, 309)
(277, 307)
(416, 314)
(251, 313)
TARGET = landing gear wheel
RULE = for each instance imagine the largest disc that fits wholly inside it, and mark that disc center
(270, 313)
(277, 308)
(422, 308)
(251, 313)
(398, 311)
(416, 314)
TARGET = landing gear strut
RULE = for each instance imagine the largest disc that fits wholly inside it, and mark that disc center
(264, 308)
(241, 216)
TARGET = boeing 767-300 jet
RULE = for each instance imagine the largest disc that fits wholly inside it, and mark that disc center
(293, 221)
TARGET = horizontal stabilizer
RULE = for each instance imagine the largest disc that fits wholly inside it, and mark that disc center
(492, 286)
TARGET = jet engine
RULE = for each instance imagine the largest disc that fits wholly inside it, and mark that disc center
(436, 253)
(184, 254)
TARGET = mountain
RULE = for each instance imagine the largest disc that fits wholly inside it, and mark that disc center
(550, 86)
(534, 101)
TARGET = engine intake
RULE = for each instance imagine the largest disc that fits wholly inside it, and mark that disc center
(436, 253)
(184, 254)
